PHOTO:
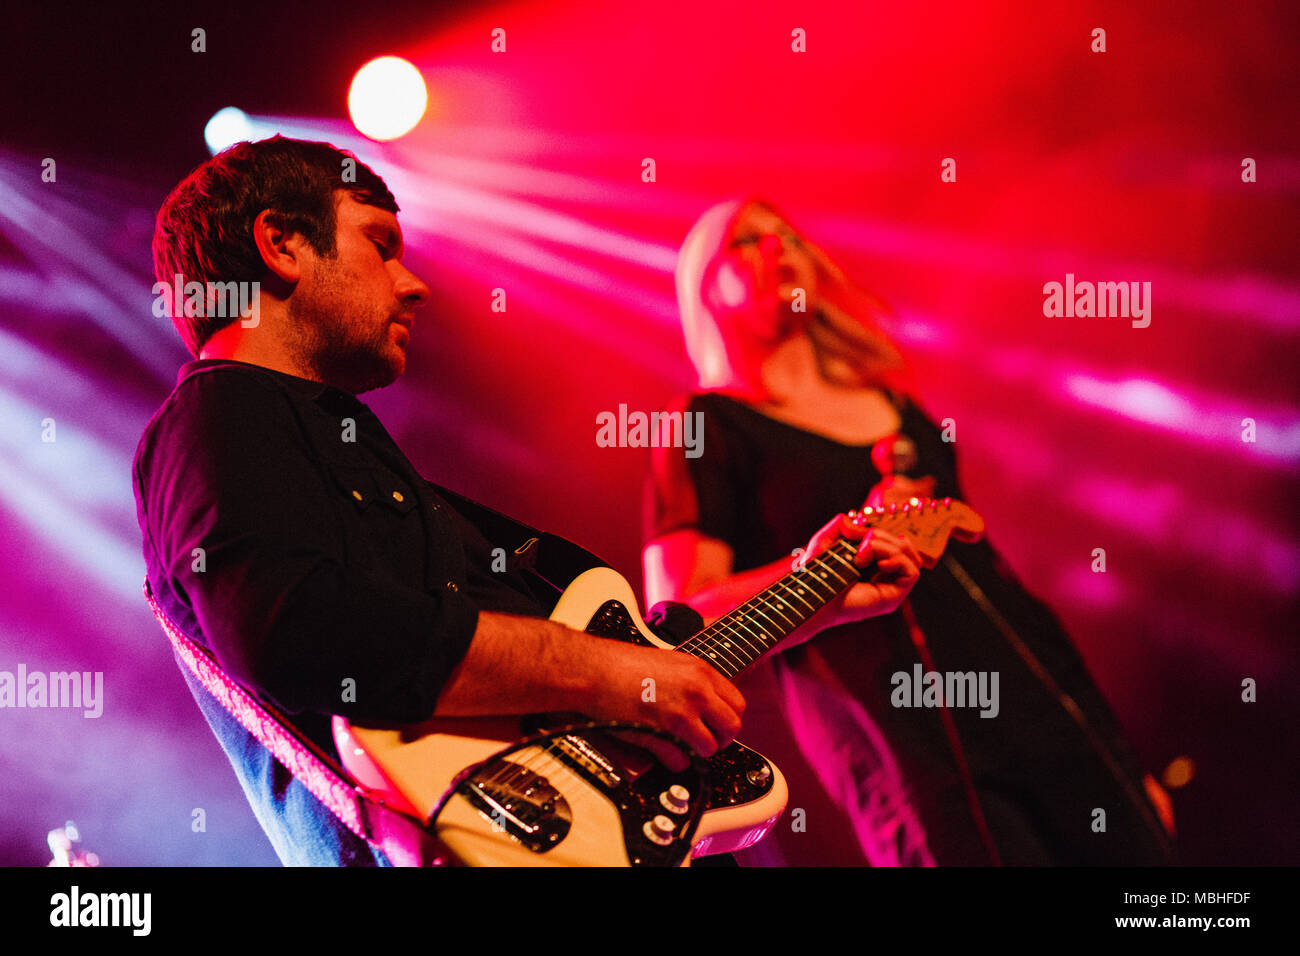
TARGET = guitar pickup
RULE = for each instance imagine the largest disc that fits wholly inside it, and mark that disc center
(592, 761)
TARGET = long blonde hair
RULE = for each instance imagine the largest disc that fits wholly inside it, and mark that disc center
(843, 312)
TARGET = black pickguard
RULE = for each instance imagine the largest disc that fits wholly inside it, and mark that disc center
(737, 775)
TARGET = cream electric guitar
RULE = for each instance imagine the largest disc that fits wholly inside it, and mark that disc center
(579, 797)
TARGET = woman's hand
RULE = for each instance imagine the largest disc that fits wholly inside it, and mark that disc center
(897, 570)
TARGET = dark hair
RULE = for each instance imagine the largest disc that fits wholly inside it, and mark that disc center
(204, 229)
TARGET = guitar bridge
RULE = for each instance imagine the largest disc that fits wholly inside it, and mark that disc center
(521, 803)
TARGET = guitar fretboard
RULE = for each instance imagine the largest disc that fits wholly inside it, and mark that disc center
(743, 635)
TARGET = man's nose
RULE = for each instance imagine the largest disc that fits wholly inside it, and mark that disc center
(410, 289)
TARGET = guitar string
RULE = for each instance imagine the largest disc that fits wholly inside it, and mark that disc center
(729, 628)
(731, 624)
(578, 798)
(770, 596)
(547, 764)
(699, 642)
(732, 627)
(767, 597)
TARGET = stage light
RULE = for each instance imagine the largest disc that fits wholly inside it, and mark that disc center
(1179, 773)
(227, 127)
(387, 98)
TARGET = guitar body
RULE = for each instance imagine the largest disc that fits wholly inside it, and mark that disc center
(578, 800)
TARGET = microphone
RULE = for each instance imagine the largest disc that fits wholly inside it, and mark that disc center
(893, 455)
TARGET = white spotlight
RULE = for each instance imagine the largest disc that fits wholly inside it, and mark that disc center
(227, 127)
(387, 98)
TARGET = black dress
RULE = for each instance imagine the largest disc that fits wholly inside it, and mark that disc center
(1041, 768)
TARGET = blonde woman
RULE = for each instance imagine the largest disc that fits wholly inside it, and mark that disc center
(808, 410)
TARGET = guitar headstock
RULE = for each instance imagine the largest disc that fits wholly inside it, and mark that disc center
(927, 522)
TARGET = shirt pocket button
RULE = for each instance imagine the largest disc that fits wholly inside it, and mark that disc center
(357, 484)
(396, 495)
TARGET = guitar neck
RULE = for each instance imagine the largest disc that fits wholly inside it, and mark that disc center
(743, 635)
(739, 638)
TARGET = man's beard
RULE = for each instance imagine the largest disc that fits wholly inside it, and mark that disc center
(355, 357)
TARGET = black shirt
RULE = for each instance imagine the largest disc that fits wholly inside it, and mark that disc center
(286, 532)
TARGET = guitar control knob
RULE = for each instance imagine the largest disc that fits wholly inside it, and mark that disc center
(659, 830)
(676, 799)
(760, 776)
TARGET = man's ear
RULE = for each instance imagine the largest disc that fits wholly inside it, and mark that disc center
(280, 249)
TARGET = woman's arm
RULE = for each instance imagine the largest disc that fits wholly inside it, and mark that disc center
(689, 566)
(695, 568)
